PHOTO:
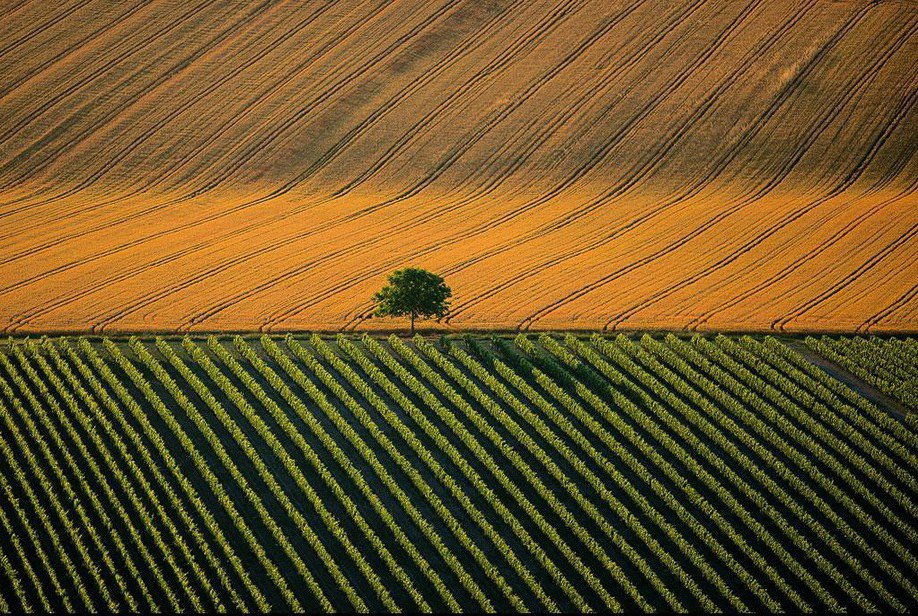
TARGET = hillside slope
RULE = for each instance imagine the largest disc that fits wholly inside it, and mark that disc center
(705, 164)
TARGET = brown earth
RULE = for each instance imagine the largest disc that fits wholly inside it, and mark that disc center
(194, 165)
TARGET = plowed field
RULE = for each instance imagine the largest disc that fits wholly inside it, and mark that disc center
(205, 165)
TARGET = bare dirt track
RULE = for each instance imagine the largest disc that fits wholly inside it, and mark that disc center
(566, 164)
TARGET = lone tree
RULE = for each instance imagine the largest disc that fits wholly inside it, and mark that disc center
(413, 292)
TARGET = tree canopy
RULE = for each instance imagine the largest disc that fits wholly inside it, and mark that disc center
(413, 292)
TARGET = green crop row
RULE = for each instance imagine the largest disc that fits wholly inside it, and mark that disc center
(201, 464)
(772, 395)
(40, 435)
(715, 473)
(177, 472)
(624, 512)
(532, 475)
(867, 428)
(379, 436)
(445, 446)
(890, 370)
(316, 395)
(306, 416)
(774, 441)
(157, 508)
(670, 423)
(138, 510)
(41, 481)
(715, 424)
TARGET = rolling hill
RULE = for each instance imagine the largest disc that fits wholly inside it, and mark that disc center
(701, 164)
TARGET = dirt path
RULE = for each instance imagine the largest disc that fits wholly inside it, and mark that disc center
(882, 400)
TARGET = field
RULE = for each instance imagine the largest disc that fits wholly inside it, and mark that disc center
(678, 373)
(207, 166)
(888, 366)
(538, 473)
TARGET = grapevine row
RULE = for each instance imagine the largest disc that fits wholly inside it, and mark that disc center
(139, 510)
(203, 467)
(526, 470)
(291, 370)
(651, 426)
(176, 471)
(636, 466)
(607, 497)
(51, 460)
(708, 423)
(113, 436)
(410, 471)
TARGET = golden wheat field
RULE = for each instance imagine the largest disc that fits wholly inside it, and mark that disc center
(565, 164)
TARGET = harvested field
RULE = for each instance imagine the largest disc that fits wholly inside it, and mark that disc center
(565, 164)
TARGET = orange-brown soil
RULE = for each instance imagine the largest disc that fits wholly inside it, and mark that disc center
(577, 164)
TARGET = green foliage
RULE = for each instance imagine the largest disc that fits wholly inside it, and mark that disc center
(177, 472)
(889, 365)
(415, 293)
(151, 489)
(290, 368)
(541, 473)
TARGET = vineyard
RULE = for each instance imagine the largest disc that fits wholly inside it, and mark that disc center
(212, 166)
(892, 366)
(536, 473)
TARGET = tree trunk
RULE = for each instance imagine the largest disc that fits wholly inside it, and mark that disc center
(412, 325)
